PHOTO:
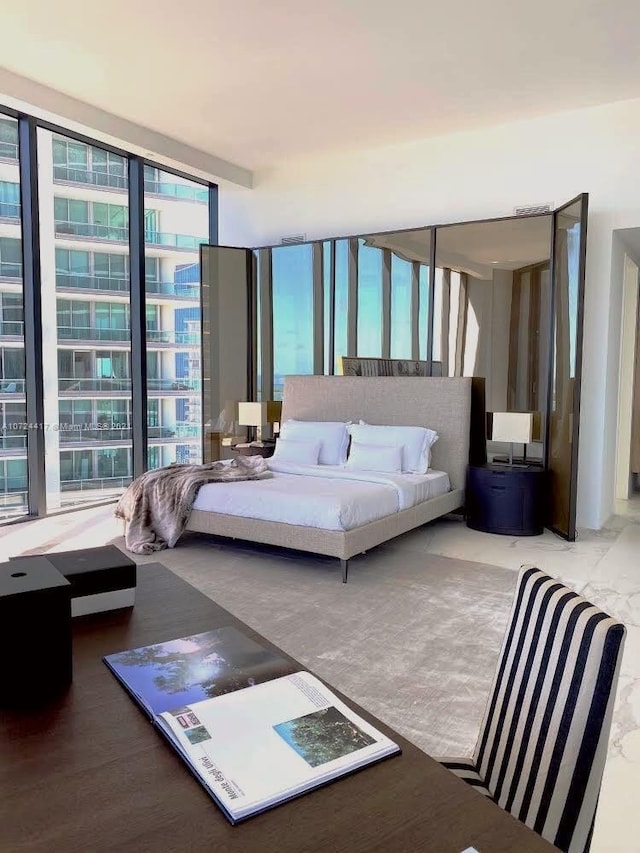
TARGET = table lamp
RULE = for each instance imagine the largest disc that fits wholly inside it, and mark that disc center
(513, 428)
(259, 415)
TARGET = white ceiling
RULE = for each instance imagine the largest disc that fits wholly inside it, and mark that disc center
(257, 82)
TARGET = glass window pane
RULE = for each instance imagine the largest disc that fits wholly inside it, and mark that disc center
(292, 272)
(178, 220)
(10, 199)
(401, 275)
(10, 257)
(78, 210)
(423, 311)
(77, 154)
(8, 138)
(369, 301)
(87, 352)
(13, 436)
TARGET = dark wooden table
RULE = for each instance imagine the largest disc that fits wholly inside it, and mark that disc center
(89, 773)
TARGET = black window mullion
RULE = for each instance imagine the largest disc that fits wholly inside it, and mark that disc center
(138, 316)
(214, 237)
(213, 215)
(27, 138)
(432, 299)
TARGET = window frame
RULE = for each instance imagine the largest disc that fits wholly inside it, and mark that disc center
(27, 128)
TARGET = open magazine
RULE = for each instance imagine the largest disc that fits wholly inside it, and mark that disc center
(254, 730)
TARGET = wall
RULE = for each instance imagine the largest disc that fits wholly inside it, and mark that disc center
(476, 176)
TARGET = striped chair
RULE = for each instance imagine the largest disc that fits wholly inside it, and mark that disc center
(542, 745)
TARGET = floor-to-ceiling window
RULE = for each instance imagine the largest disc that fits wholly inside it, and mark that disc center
(13, 417)
(176, 220)
(84, 238)
(370, 265)
(69, 245)
(292, 282)
(401, 314)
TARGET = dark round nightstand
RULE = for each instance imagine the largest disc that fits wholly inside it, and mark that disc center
(506, 499)
(265, 450)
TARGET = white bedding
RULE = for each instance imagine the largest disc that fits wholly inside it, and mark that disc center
(324, 496)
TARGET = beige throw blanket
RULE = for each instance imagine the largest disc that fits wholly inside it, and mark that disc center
(157, 505)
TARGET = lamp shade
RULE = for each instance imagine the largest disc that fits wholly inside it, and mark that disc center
(259, 414)
(252, 414)
(514, 427)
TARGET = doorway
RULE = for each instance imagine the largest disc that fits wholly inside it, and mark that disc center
(628, 435)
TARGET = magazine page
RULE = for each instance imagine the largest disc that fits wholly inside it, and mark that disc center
(257, 747)
(189, 669)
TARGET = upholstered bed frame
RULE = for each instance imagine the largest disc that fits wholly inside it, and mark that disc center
(439, 403)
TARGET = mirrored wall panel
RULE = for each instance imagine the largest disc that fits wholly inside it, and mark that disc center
(393, 296)
(227, 276)
(492, 312)
(564, 397)
(293, 312)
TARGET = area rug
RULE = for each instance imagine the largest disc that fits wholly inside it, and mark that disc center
(413, 637)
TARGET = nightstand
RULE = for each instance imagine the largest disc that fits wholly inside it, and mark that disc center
(265, 450)
(505, 499)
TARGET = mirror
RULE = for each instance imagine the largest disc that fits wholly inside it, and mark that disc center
(492, 312)
(392, 291)
(569, 249)
(226, 346)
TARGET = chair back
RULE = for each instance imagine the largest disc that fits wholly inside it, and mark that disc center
(543, 740)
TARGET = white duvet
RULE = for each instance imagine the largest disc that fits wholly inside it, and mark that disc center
(325, 496)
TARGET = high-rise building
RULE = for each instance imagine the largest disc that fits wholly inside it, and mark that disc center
(85, 292)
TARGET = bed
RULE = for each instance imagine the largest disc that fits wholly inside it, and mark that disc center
(366, 516)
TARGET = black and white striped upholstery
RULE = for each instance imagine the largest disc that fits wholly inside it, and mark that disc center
(543, 740)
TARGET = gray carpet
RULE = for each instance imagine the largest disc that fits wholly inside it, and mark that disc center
(413, 637)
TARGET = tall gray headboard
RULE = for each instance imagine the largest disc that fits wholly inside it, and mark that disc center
(443, 404)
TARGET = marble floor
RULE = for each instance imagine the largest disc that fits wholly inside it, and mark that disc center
(602, 565)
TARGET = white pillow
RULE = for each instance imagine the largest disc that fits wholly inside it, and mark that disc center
(332, 435)
(375, 457)
(299, 452)
(416, 442)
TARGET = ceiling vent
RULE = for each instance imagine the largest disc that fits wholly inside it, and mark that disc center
(532, 210)
(294, 238)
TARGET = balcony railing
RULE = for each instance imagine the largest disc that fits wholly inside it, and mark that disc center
(191, 385)
(8, 269)
(99, 484)
(157, 336)
(121, 285)
(71, 384)
(74, 433)
(154, 336)
(91, 333)
(173, 288)
(73, 175)
(91, 230)
(12, 386)
(121, 234)
(174, 241)
(15, 328)
(9, 150)
(13, 441)
(8, 210)
(188, 430)
(183, 192)
(92, 282)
